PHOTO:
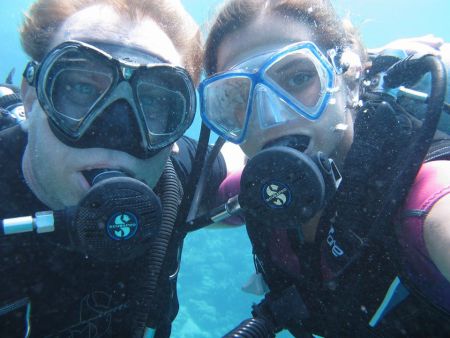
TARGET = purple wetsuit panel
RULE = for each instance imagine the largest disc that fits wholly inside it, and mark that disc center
(431, 184)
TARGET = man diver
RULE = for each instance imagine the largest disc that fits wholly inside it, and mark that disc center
(109, 90)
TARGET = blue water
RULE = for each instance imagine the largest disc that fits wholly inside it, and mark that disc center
(216, 263)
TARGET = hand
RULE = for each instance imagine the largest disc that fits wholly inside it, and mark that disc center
(427, 44)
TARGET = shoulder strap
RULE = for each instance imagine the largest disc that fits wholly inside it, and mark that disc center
(439, 150)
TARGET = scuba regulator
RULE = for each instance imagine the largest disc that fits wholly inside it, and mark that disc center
(114, 222)
(274, 183)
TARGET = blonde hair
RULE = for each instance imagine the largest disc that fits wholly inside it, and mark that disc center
(44, 18)
(318, 14)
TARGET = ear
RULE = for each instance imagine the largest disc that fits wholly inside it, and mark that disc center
(352, 76)
(28, 95)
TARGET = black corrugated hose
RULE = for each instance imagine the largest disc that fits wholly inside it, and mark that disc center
(251, 328)
(143, 298)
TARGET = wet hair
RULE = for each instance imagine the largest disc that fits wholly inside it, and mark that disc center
(45, 17)
(330, 30)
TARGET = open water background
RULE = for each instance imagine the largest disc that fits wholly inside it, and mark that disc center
(216, 263)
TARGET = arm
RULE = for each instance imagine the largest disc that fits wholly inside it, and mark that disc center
(234, 157)
(424, 232)
(437, 234)
(229, 187)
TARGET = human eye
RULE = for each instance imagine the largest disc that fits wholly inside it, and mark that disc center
(79, 90)
(300, 79)
(84, 89)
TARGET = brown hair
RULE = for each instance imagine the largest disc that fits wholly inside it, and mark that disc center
(45, 17)
(319, 14)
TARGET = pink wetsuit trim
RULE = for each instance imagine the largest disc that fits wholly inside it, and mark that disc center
(431, 184)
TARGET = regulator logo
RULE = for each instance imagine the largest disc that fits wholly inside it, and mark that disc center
(122, 226)
(276, 195)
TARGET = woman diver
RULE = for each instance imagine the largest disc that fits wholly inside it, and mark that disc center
(332, 156)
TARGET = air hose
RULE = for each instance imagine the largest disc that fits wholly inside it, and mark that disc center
(198, 195)
(197, 166)
(251, 328)
(143, 300)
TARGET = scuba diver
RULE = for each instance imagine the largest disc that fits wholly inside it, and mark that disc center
(11, 107)
(340, 248)
(96, 179)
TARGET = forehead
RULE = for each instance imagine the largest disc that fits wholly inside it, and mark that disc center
(263, 35)
(103, 24)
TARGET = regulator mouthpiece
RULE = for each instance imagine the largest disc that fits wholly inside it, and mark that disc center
(117, 219)
(285, 188)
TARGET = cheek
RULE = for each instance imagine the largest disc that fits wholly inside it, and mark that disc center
(309, 96)
(249, 149)
(41, 140)
(50, 159)
(255, 139)
(150, 170)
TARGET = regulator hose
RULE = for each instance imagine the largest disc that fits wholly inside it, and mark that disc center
(150, 265)
(251, 328)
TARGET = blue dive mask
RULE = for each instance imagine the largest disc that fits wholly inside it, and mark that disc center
(295, 82)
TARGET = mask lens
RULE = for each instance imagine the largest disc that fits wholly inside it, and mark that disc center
(298, 76)
(226, 105)
(75, 83)
(301, 78)
(162, 108)
(165, 99)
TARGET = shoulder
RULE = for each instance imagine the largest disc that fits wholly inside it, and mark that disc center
(15, 195)
(12, 141)
(182, 156)
(431, 184)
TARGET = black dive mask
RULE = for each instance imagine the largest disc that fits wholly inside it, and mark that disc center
(115, 221)
(283, 187)
(93, 98)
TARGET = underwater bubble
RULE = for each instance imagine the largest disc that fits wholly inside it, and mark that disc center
(334, 90)
(332, 101)
(341, 127)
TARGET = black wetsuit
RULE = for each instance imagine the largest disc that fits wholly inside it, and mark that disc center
(346, 309)
(70, 295)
